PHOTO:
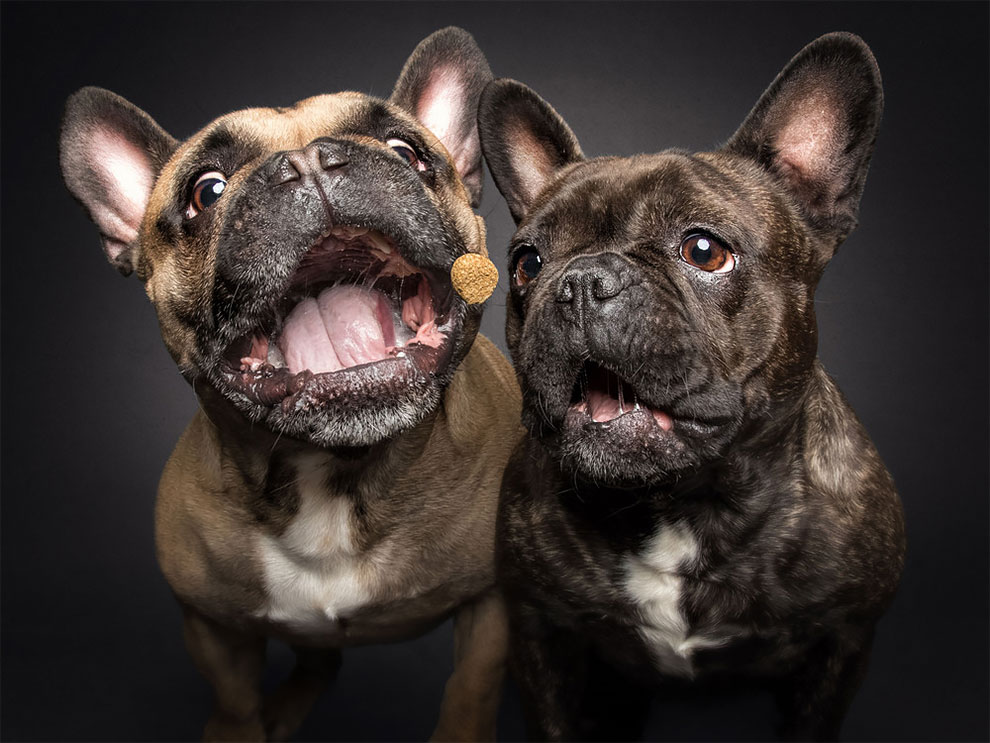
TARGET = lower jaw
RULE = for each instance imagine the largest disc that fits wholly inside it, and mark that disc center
(356, 406)
(282, 388)
(331, 423)
(635, 428)
(641, 419)
(629, 451)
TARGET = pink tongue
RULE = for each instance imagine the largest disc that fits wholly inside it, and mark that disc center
(663, 420)
(602, 407)
(338, 329)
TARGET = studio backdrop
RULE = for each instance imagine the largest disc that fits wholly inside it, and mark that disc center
(92, 403)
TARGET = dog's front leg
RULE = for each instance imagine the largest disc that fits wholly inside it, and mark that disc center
(813, 701)
(233, 663)
(287, 707)
(549, 665)
(471, 697)
(569, 692)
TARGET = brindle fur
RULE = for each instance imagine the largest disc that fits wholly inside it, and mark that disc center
(797, 529)
(417, 504)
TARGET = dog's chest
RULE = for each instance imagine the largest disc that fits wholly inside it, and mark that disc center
(655, 582)
(314, 572)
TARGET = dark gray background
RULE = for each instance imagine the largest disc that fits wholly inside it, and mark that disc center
(92, 404)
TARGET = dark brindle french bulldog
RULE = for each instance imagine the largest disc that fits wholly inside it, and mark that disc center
(338, 485)
(697, 500)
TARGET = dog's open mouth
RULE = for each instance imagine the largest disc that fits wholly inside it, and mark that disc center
(353, 306)
(603, 396)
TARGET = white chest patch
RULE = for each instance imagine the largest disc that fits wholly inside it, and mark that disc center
(313, 572)
(654, 582)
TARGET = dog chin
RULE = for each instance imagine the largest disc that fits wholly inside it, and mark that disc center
(631, 450)
(616, 433)
(340, 426)
(359, 406)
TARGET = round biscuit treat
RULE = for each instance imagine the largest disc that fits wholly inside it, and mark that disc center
(474, 277)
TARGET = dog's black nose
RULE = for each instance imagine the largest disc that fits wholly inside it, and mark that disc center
(320, 155)
(591, 281)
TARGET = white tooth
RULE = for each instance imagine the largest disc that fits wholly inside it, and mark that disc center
(380, 242)
(400, 355)
(256, 364)
(349, 232)
(275, 357)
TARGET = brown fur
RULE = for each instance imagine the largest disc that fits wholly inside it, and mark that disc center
(261, 533)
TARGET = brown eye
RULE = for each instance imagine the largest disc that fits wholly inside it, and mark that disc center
(526, 265)
(208, 188)
(708, 254)
(407, 153)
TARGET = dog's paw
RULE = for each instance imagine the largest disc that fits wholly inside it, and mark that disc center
(283, 712)
(463, 731)
(224, 728)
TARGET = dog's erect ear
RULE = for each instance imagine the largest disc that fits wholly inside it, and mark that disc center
(111, 153)
(525, 142)
(440, 85)
(815, 127)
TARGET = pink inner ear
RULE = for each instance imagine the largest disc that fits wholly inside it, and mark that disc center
(125, 173)
(440, 109)
(811, 138)
(530, 160)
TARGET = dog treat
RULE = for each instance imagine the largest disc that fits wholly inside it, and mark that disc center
(474, 277)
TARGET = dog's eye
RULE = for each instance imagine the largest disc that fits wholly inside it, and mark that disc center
(526, 265)
(208, 188)
(708, 254)
(407, 153)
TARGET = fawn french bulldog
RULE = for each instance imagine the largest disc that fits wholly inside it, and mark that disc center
(338, 485)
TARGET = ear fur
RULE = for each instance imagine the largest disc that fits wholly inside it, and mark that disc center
(815, 127)
(111, 153)
(525, 142)
(440, 85)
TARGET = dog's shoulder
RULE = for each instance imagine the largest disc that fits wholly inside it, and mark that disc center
(483, 404)
(839, 457)
(198, 495)
(846, 476)
(486, 361)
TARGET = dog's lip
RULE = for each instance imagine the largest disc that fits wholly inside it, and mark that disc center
(381, 248)
(414, 364)
(665, 420)
(660, 418)
(294, 392)
(635, 425)
(603, 395)
(594, 406)
(432, 263)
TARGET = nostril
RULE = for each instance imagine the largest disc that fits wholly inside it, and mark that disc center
(285, 171)
(605, 287)
(565, 290)
(332, 160)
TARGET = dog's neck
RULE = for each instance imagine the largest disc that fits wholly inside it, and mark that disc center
(256, 451)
